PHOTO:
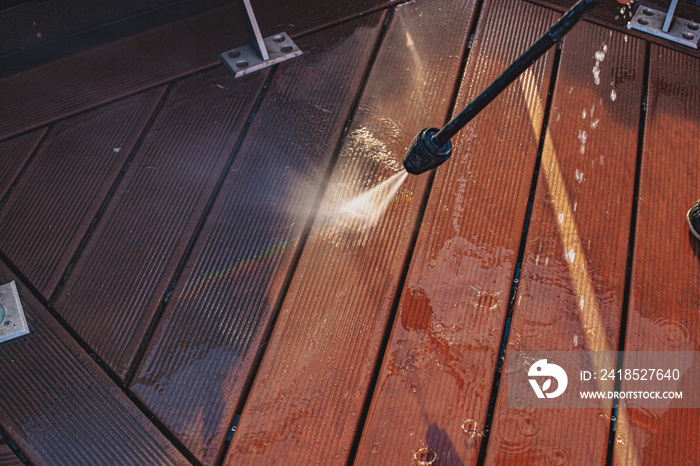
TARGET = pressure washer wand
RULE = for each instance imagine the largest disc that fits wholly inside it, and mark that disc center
(431, 147)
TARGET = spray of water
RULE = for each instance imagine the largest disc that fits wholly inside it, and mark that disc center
(366, 209)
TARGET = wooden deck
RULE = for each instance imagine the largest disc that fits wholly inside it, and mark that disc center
(209, 276)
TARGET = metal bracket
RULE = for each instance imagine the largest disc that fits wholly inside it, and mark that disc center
(666, 26)
(12, 322)
(259, 53)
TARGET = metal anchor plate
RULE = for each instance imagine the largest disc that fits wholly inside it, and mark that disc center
(245, 59)
(12, 321)
(680, 30)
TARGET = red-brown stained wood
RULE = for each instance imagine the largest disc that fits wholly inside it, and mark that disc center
(59, 407)
(572, 281)
(40, 95)
(14, 154)
(434, 387)
(309, 392)
(121, 277)
(665, 291)
(61, 190)
(198, 361)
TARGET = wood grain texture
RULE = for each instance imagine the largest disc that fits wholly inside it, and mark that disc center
(122, 276)
(612, 14)
(14, 154)
(434, 387)
(572, 281)
(308, 395)
(123, 67)
(61, 190)
(59, 407)
(199, 358)
(665, 294)
(7, 457)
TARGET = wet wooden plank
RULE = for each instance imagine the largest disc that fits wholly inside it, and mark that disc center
(60, 193)
(616, 15)
(665, 291)
(59, 89)
(572, 281)
(122, 276)
(14, 154)
(435, 383)
(308, 395)
(59, 407)
(231, 284)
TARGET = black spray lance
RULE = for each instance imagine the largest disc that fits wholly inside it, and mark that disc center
(432, 146)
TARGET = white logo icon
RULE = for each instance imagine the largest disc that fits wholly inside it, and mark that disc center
(543, 369)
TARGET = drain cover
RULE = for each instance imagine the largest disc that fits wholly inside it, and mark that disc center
(12, 321)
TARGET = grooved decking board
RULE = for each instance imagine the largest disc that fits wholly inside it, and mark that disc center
(121, 277)
(665, 291)
(198, 361)
(308, 394)
(439, 366)
(129, 65)
(613, 14)
(59, 407)
(7, 456)
(572, 281)
(14, 153)
(60, 192)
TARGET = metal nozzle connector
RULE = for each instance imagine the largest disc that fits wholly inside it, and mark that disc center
(424, 154)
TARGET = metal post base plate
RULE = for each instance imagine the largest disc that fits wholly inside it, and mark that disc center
(244, 60)
(651, 21)
(12, 321)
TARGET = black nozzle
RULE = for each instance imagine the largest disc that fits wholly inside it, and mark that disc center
(424, 154)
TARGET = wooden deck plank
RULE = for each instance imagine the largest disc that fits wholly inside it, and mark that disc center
(572, 281)
(45, 93)
(308, 395)
(54, 202)
(122, 276)
(14, 154)
(434, 387)
(665, 291)
(59, 407)
(231, 285)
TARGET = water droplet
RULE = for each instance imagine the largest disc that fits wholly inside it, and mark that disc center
(558, 457)
(620, 440)
(583, 114)
(469, 428)
(581, 302)
(375, 448)
(560, 218)
(613, 95)
(594, 123)
(582, 136)
(570, 255)
(425, 456)
(579, 176)
(600, 55)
